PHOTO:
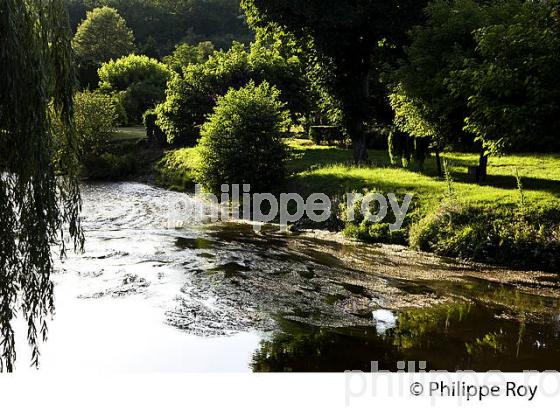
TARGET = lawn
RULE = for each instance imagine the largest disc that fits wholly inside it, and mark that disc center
(330, 170)
(129, 133)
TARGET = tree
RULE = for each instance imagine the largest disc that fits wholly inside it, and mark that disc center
(190, 98)
(95, 118)
(103, 36)
(424, 104)
(142, 80)
(186, 54)
(512, 81)
(347, 34)
(242, 140)
(39, 197)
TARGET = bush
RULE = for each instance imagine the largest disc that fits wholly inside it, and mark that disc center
(506, 236)
(192, 97)
(242, 141)
(376, 232)
(142, 80)
(177, 169)
(95, 117)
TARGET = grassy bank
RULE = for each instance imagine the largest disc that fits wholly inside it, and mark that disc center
(495, 222)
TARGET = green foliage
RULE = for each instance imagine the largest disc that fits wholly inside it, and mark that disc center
(177, 169)
(422, 96)
(102, 36)
(512, 84)
(375, 232)
(39, 195)
(192, 97)
(95, 117)
(186, 54)
(141, 79)
(497, 235)
(242, 141)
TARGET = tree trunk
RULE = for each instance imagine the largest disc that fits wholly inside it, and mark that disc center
(357, 112)
(438, 164)
(359, 143)
(483, 167)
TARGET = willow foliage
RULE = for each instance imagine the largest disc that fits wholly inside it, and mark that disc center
(39, 196)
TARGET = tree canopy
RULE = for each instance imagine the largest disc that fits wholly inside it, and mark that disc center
(159, 25)
(102, 36)
(512, 82)
(142, 80)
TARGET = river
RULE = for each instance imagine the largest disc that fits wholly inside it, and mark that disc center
(145, 297)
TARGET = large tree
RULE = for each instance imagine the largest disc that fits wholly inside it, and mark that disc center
(424, 97)
(142, 80)
(511, 84)
(39, 196)
(102, 36)
(348, 34)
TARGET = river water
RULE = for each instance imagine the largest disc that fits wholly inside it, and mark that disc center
(219, 298)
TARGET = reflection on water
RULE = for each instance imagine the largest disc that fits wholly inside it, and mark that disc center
(454, 337)
(222, 298)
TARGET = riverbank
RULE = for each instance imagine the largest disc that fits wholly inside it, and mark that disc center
(497, 222)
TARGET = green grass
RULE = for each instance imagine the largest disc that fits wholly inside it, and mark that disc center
(330, 170)
(129, 133)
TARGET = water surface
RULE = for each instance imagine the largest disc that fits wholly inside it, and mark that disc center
(220, 298)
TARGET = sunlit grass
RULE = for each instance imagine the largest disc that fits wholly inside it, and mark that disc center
(330, 170)
(130, 133)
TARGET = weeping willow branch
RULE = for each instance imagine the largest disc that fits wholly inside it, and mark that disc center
(39, 195)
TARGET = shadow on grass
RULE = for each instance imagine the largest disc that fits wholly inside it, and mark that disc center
(510, 182)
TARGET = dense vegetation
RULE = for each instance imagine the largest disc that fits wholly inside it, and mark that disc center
(242, 141)
(140, 80)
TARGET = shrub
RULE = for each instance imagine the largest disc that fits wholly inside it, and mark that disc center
(95, 117)
(242, 141)
(192, 97)
(504, 236)
(176, 170)
(376, 232)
